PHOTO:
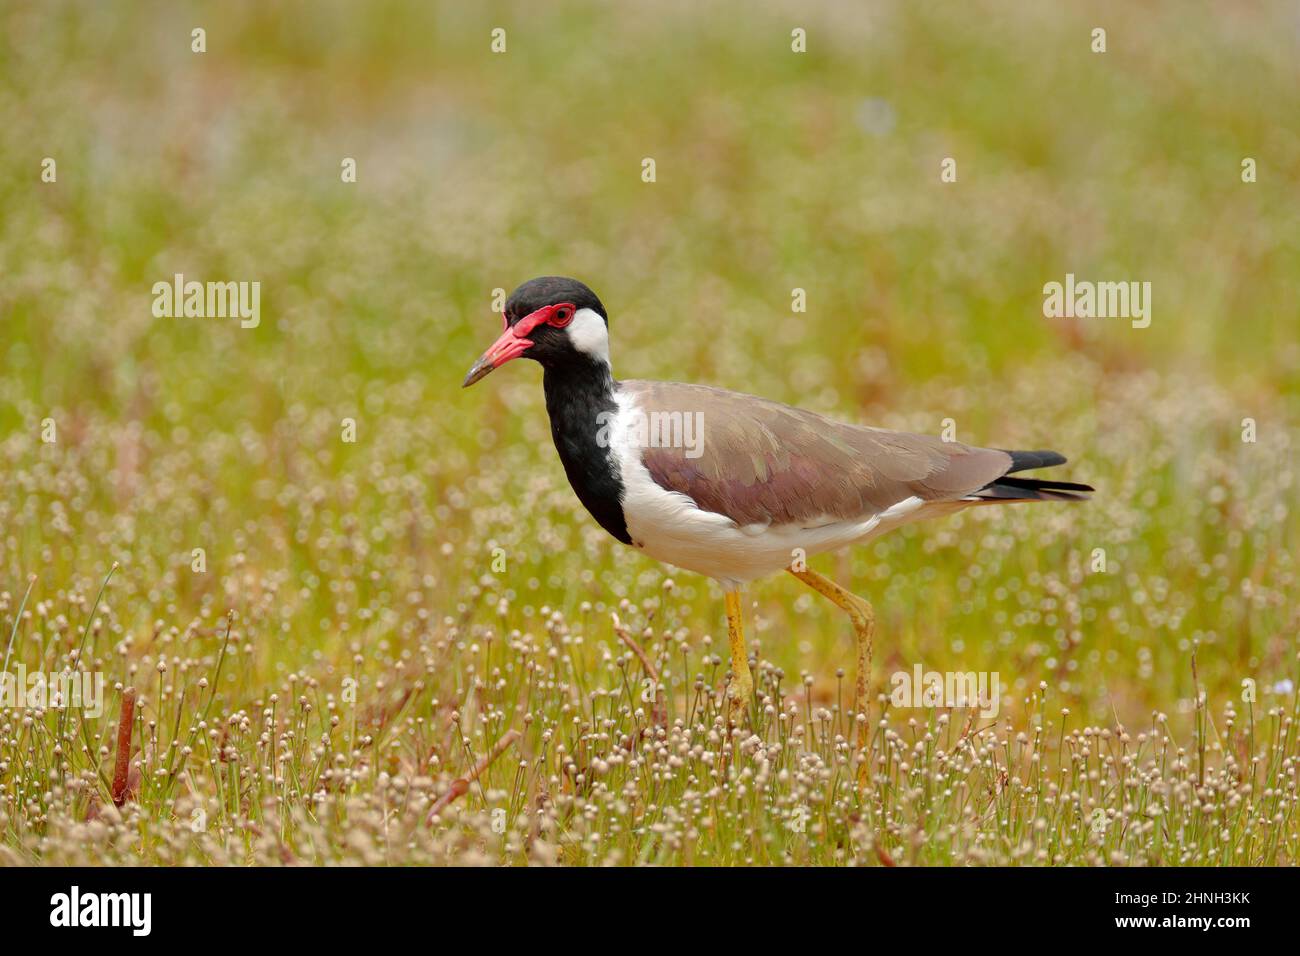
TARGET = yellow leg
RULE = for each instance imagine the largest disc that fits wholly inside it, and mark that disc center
(864, 625)
(741, 688)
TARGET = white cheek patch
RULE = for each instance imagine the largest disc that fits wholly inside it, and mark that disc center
(589, 335)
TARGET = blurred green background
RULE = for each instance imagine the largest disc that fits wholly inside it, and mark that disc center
(775, 171)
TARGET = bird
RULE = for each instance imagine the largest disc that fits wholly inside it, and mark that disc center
(733, 486)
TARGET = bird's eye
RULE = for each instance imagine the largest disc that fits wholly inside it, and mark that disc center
(562, 317)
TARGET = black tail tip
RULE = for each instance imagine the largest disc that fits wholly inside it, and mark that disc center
(1029, 460)
(1034, 489)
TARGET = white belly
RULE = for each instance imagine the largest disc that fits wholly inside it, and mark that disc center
(707, 543)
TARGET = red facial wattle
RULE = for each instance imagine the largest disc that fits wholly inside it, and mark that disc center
(514, 340)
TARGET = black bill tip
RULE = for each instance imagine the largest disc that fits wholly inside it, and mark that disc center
(478, 370)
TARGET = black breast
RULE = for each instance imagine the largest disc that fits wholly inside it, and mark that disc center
(580, 401)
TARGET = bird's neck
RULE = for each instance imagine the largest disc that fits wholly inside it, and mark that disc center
(580, 402)
(577, 391)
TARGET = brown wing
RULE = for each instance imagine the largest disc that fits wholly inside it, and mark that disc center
(762, 462)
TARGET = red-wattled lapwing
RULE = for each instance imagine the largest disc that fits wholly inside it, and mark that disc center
(732, 486)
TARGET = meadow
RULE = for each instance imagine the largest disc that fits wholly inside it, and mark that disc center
(347, 613)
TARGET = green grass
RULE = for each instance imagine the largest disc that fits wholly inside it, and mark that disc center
(376, 653)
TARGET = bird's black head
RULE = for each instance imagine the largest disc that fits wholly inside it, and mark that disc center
(553, 320)
(551, 290)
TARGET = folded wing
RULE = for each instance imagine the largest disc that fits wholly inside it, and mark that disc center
(761, 462)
